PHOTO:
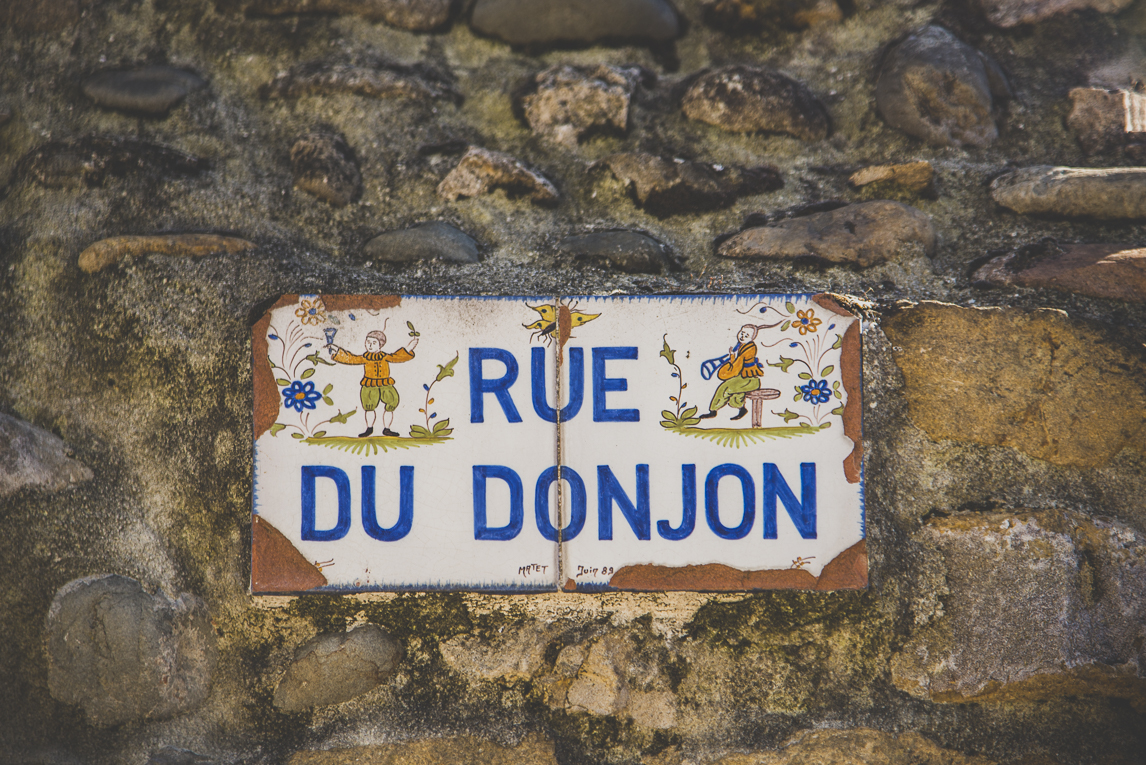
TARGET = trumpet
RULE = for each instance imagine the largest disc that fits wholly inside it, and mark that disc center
(708, 368)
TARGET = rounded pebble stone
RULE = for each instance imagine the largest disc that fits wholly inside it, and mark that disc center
(745, 99)
(934, 87)
(424, 242)
(337, 666)
(150, 89)
(628, 251)
(540, 22)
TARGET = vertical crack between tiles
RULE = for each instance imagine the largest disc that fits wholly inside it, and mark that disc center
(559, 453)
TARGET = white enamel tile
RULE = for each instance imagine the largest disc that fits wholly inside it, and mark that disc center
(601, 448)
(440, 549)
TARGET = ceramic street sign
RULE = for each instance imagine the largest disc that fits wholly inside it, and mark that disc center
(584, 444)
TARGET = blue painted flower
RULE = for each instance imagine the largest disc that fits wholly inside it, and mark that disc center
(816, 392)
(300, 395)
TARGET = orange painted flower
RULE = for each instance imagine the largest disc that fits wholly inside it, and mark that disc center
(806, 321)
(312, 311)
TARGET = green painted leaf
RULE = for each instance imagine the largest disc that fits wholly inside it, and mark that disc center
(319, 434)
(297, 435)
(668, 353)
(443, 433)
(805, 376)
(667, 424)
(796, 397)
(788, 415)
(442, 425)
(668, 414)
(341, 418)
(328, 400)
(446, 370)
(785, 325)
(276, 428)
(417, 431)
(688, 412)
(836, 385)
(836, 393)
(826, 371)
(839, 410)
(790, 306)
(784, 364)
(839, 341)
(691, 421)
(316, 359)
(326, 391)
(282, 381)
(307, 373)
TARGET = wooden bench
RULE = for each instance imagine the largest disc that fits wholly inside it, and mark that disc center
(758, 397)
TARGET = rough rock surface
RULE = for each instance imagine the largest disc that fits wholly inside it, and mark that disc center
(599, 687)
(856, 746)
(33, 457)
(149, 89)
(516, 655)
(536, 22)
(123, 654)
(174, 755)
(1110, 271)
(323, 164)
(90, 160)
(415, 15)
(745, 99)
(336, 667)
(934, 87)
(1021, 379)
(865, 234)
(1038, 605)
(628, 251)
(1106, 193)
(424, 242)
(481, 171)
(570, 101)
(463, 750)
(1011, 13)
(107, 252)
(739, 16)
(373, 78)
(667, 187)
(913, 176)
(1104, 119)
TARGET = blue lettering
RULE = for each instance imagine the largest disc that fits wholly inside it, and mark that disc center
(712, 501)
(405, 505)
(482, 529)
(310, 473)
(576, 386)
(609, 491)
(802, 511)
(499, 387)
(541, 503)
(603, 384)
(688, 502)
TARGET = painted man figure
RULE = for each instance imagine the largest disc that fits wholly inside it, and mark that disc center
(377, 384)
(741, 374)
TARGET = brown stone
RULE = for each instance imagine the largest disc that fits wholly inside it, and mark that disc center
(570, 101)
(415, 15)
(1110, 271)
(481, 171)
(1105, 193)
(373, 79)
(1098, 118)
(856, 746)
(913, 176)
(107, 252)
(1033, 381)
(1038, 605)
(463, 750)
(323, 164)
(335, 667)
(744, 99)
(667, 187)
(865, 234)
(1010, 13)
(599, 686)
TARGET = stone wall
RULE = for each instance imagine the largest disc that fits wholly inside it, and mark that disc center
(965, 175)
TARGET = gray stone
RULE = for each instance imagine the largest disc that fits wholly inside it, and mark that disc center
(415, 15)
(371, 78)
(122, 654)
(667, 187)
(1105, 193)
(1010, 13)
(36, 458)
(1032, 381)
(149, 89)
(934, 87)
(424, 242)
(540, 22)
(628, 251)
(481, 171)
(570, 101)
(745, 99)
(323, 164)
(335, 667)
(1038, 605)
(865, 234)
